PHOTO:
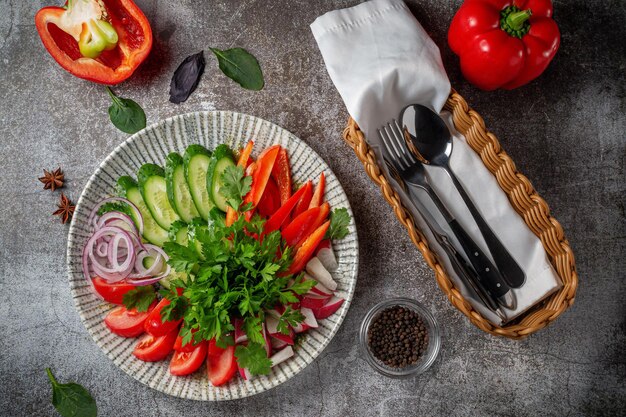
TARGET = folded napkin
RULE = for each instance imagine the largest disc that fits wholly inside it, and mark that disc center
(380, 59)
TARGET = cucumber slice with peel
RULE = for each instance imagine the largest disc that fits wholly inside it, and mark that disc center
(151, 179)
(178, 192)
(196, 163)
(222, 158)
(152, 232)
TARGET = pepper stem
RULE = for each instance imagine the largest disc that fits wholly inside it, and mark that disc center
(515, 21)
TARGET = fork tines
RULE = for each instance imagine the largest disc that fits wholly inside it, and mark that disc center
(392, 138)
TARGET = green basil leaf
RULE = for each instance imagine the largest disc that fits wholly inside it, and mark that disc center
(125, 114)
(72, 400)
(241, 66)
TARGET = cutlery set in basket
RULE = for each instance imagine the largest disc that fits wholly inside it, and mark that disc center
(496, 251)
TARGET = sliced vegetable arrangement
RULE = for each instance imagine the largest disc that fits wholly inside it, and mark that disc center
(215, 259)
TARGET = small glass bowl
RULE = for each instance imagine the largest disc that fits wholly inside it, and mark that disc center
(424, 362)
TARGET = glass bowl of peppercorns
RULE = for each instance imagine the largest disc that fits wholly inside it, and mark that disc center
(400, 338)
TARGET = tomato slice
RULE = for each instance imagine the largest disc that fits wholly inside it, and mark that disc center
(282, 174)
(112, 293)
(270, 202)
(127, 323)
(189, 347)
(221, 364)
(153, 324)
(185, 363)
(153, 349)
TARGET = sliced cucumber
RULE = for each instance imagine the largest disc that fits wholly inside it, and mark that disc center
(178, 192)
(151, 179)
(178, 233)
(196, 162)
(152, 232)
(221, 159)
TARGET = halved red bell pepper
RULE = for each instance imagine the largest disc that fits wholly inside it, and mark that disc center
(282, 175)
(304, 203)
(321, 218)
(305, 252)
(299, 226)
(260, 175)
(99, 40)
(318, 196)
(244, 158)
(270, 202)
(278, 218)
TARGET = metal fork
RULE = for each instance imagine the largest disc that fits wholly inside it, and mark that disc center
(413, 174)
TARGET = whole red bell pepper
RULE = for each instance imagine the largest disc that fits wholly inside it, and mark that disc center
(99, 40)
(504, 43)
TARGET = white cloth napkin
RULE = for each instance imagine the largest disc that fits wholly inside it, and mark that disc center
(381, 59)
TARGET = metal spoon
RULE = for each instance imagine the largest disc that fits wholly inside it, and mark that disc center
(429, 139)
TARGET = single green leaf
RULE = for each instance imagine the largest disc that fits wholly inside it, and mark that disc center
(240, 66)
(140, 298)
(71, 399)
(339, 221)
(236, 185)
(290, 317)
(126, 114)
(254, 357)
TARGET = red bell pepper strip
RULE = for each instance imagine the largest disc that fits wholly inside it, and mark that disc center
(299, 226)
(270, 202)
(99, 40)
(321, 218)
(304, 203)
(282, 175)
(305, 252)
(260, 175)
(504, 43)
(318, 196)
(244, 158)
(278, 218)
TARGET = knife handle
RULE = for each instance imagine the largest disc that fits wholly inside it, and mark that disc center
(488, 275)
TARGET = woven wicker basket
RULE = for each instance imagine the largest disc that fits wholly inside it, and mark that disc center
(522, 196)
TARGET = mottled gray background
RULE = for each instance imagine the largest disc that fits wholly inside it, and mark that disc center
(566, 131)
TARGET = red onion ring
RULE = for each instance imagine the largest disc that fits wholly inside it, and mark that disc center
(136, 212)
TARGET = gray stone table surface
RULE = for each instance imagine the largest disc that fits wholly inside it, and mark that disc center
(566, 132)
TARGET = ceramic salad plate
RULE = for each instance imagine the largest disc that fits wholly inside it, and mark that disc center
(153, 145)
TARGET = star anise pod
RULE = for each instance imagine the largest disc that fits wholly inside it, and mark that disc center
(66, 209)
(52, 180)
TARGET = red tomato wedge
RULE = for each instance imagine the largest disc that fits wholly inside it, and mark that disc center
(221, 364)
(155, 326)
(260, 176)
(244, 158)
(305, 252)
(112, 293)
(318, 196)
(300, 225)
(185, 363)
(127, 323)
(189, 347)
(270, 202)
(304, 203)
(153, 349)
(321, 218)
(277, 220)
(282, 174)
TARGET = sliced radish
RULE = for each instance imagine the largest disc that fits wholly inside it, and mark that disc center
(309, 317)
(326, 255)
(301, 327)
(244, 373)
(268, 343)
(276, 312)
(319, 288)
(313, 301)
(278, 344)
(271, 323)
(282, 356)
(329, 308)
(288, 339)
(240, 335)
(320, 274)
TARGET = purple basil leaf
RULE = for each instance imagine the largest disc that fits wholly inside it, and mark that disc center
(186, 77)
